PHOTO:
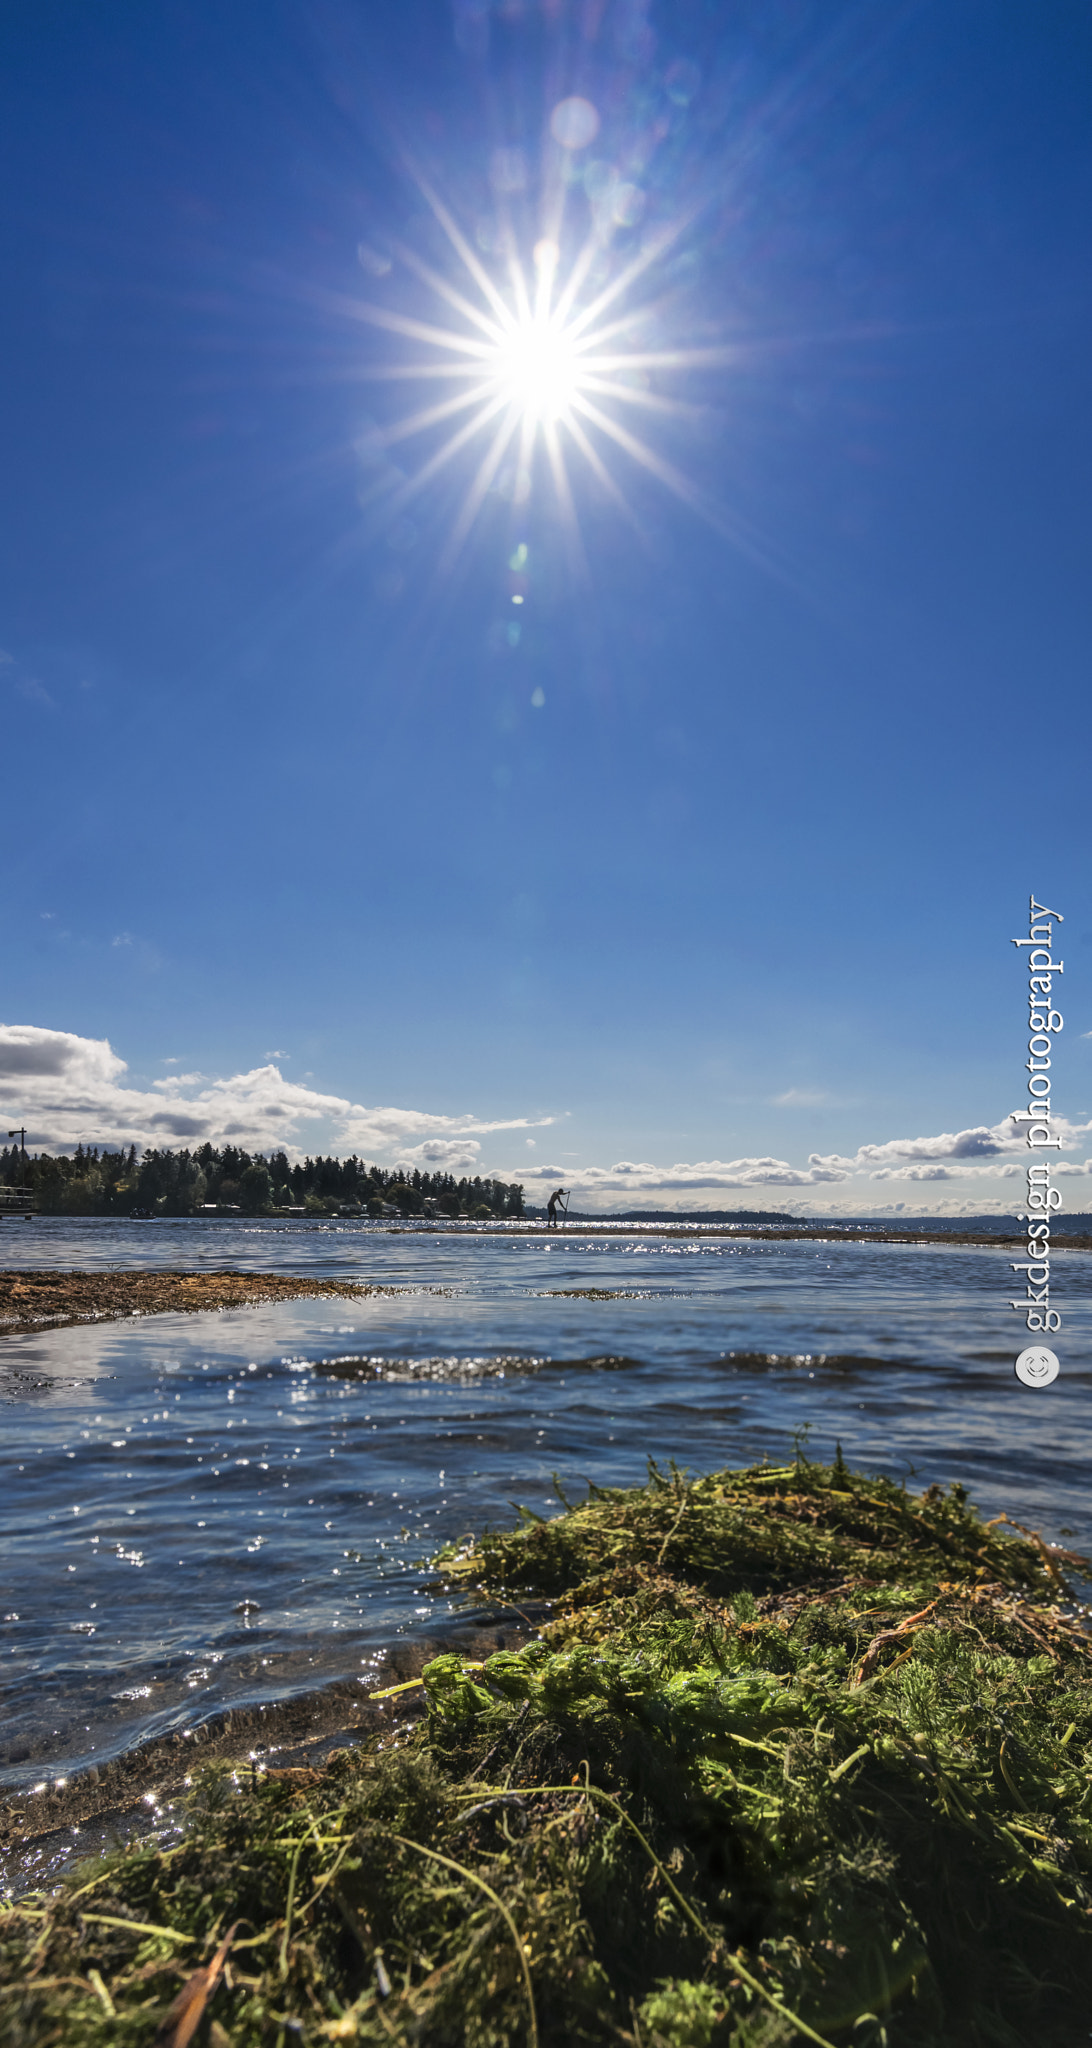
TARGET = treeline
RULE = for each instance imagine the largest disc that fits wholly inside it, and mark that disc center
(90, 1182)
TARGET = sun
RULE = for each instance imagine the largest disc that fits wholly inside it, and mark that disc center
(543, 360)
(537, 369)
(537, 364)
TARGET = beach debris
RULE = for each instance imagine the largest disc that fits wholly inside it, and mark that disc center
(180, 2022)
(34, 1298)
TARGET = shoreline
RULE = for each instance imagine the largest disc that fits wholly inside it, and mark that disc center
(49, 1822)
(787, 1734)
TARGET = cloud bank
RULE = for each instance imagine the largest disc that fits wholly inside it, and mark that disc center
(981, 1150)
(69, 1090)
(628, 1176)
(952, 1155)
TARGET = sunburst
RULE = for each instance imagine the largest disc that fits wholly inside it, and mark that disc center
(544, 363)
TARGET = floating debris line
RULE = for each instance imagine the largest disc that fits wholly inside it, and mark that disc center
(798, 1756)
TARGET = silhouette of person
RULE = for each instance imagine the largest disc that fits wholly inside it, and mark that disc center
(551, 1206)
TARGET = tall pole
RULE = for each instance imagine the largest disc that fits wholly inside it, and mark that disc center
(21, 1134)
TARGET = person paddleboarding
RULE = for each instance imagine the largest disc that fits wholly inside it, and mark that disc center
(551, 1206)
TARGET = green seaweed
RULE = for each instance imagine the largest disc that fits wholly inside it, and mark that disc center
(800, 1756)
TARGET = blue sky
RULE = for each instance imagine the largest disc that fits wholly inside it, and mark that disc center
(714, 861)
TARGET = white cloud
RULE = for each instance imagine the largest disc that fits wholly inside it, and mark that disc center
(34, 691)
(69, 1089)
(936, 1172)
(441, 1155)
(380, 1130)
(629, 1176)
(800, 1098)
(973, 1154)
(979, 1144)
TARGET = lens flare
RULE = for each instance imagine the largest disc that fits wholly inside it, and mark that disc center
(543, 362)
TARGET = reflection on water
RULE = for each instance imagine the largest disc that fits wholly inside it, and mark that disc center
(200, 1510)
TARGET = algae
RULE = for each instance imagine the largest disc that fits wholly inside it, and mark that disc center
(799, 1756)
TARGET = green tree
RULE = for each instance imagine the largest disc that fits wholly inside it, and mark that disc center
(83, 1194)
(255, 1188)
(49, 1185)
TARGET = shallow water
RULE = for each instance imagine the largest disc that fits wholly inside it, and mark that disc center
(199, 1510)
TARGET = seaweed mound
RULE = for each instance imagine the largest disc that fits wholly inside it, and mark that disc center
(799, 1756)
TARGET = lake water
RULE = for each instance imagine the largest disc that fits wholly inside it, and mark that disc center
(201, 1510)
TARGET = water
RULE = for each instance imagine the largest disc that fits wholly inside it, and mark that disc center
(201, 1510)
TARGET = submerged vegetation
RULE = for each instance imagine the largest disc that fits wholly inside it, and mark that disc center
(799, 1756)
(30, 1298)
